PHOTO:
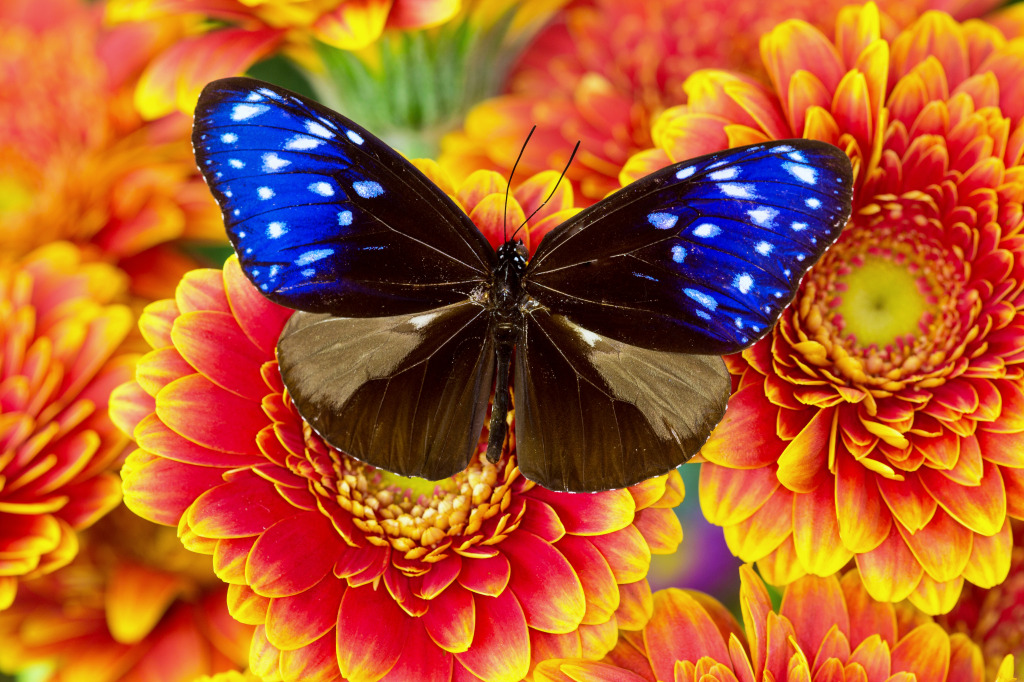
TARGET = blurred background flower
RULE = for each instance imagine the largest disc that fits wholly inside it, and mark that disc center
(880, 420)
(77, 162)
(62, 333)
(826, 629)
(134, 606)
(347, 569)
(603, 71)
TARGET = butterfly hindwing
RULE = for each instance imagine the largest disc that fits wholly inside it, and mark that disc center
(594, 413)
(324, 216)
(407, 393)
(699, 257)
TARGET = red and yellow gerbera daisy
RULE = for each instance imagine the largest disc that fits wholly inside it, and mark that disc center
(826, 629)
(607, 69)
(352, 571)
(62, 330)
(76, 161)
(882, 419)
(133, 607)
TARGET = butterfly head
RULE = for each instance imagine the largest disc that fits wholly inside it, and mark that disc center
(513, 253)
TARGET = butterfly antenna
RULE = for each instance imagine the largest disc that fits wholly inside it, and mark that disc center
(504, 210)
(564, 171)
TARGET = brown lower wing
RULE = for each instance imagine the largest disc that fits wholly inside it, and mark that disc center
(406, 393)
(593, 413)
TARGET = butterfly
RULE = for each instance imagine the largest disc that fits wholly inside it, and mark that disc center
(408, 320)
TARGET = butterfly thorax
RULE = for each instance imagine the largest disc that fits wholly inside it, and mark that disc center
(506, 290)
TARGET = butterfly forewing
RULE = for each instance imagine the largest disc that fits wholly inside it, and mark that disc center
(700, 257)
(407, 393)
(324, 216)
(594, 413)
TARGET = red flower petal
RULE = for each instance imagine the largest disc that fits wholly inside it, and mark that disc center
(197, 409)
(864, 519)
(626, 552)
(450, 619)
(213, 344)
(294, 622)
(590, 514)
(680, 630)
(260, 320)
(160, 490)
(925, 652)
(246, 505)
(314, 662)
(421, 660)
(981, 508)
(501, 643)
(743, 439)
(814, 606)
(292, 555)
(943, 546)
(544, 582)
(890, 571)
(372, 630)
(816, 536)
(602, 593)
(487, 576)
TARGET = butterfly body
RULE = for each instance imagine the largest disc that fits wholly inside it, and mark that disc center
(407, 320)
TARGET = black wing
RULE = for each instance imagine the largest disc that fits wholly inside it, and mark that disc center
(702, 256)
(593, 413)
(406, 393)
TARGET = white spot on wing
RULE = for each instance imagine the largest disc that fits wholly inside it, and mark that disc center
(813, 203)
(318, 129)
(264, 192)
(725, 174)
(421, 321)
(678, 253)
(276, 229)
(302, 143)
(236, 163)
(588, 336)
(763, 216)
(272, 162)
(705, 300)
(763, 248)
(737, 190)
(229, 138)
(354, 136)
(313, 256)
(802, 173)
(322, 188)
(243, 112)
(799, 227)
(706, 230)
(662, 221)
(368, 189)
(743, 282)
(685, 172)
(344, 218)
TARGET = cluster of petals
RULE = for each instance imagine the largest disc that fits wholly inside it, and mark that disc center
(226, 37)
(133, 606)
(827, 629)
(905, 454)
(351, 572)
(61, 355)
(76, 161)
(604, 70)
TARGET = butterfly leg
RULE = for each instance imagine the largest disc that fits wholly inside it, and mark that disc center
(499, 411)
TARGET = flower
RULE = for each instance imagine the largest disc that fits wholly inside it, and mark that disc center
(350, 570)
(61, 357)
(991, 617)
(131, 607)
(608, 69)
(826, 629)
(881, 419)
(76, 161)
(229, 36)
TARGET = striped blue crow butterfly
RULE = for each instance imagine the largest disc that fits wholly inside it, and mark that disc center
(407, 319)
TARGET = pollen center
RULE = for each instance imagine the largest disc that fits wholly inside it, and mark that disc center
(882, 301)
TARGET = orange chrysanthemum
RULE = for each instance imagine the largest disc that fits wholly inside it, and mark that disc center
(133, 607)
(60, 357)
(76, 161)
(609, 68)
(826, 629)
(349, 571)
(883, 418)
(992, 617)
(229, 36)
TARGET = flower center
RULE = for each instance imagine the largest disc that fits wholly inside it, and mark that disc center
(886, 303)
(418, 517)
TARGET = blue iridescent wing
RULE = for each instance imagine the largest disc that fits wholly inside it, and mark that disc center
(699, 257)
(324, 216)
